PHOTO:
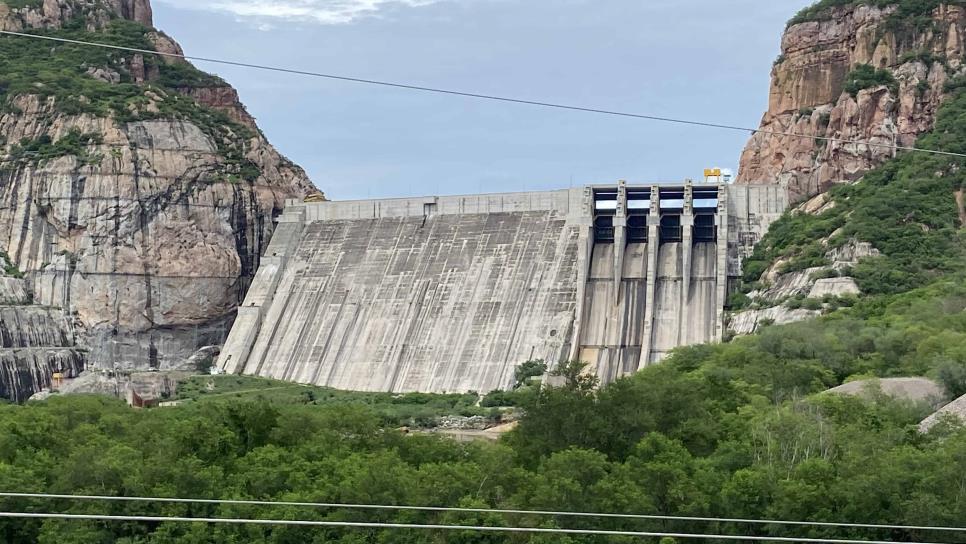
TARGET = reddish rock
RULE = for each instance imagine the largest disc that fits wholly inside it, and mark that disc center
(806, 97)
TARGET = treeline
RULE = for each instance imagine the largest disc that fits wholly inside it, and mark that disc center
(727, 431)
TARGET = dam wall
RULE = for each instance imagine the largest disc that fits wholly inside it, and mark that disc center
(445, 294)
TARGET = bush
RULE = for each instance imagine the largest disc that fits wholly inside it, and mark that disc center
(43, 148)
(824, 274)
(864, 76)
(752, 269)
(204, 364)
(498, 398)
(738, 301)
(952, 376)
(9, 268)
(527, 371)
(812, 304)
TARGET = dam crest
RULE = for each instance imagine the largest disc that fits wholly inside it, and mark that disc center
(452, 293)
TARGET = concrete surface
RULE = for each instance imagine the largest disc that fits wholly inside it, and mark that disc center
(452, 293)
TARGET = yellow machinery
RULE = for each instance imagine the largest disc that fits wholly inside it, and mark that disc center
(317, 196)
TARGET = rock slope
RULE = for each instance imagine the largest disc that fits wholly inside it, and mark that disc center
(136, 194)
(35, 341)
(810, 92)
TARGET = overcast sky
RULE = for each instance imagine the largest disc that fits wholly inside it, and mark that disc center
(706, 60)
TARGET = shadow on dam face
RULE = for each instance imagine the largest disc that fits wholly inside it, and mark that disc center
(446, 294)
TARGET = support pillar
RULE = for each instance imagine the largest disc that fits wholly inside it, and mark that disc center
(620, 241)
(721, 269)
(653, 243)
(585, 249)
(687, 245)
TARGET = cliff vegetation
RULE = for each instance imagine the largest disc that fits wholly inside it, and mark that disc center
(98, 81)
(908, 13)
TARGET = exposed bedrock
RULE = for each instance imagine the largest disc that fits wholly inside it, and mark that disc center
(807, 95)
(143, 234)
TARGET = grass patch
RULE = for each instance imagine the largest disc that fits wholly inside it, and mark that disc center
(411, 409)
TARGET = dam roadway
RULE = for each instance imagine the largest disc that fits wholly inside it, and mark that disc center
(448, 294)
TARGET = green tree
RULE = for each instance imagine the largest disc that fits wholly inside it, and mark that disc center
(527, 371)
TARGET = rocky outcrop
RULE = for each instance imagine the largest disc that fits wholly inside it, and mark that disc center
(750, 321)
(146, 236)
(779, 299)
(954, 413)
(807, 95)
(35, 341)
(48, 14)
(223, 98)
(916, 389)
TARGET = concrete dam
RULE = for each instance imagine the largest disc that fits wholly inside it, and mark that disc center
(452, 293)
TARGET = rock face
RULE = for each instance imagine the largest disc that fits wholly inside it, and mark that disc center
(954, 412)
(919, 390)
(750, 321)
(807, 95)
(35, 341)
(147, 237)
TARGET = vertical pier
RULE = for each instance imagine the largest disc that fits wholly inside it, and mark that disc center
(654, 241)
(721, 270)
(687, 246)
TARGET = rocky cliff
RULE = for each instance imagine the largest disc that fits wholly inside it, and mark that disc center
(855, 72)
(136, 194)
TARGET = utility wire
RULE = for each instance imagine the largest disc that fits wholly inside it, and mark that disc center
(477, 528)
(478, 95)
(478, 511)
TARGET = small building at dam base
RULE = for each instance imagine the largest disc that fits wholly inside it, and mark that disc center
(452, 293)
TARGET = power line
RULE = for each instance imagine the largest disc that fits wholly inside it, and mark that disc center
(247, 502)
(480, 96)
(478, 528)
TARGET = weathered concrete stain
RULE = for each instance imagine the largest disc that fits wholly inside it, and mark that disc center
(452, 293)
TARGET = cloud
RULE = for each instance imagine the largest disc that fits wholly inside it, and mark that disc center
(319, 11)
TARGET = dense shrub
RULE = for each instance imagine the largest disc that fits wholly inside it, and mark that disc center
(865, 76)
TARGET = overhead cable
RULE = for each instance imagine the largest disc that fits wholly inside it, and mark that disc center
(481, 96)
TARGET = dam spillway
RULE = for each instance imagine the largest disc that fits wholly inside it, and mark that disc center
(445, 294)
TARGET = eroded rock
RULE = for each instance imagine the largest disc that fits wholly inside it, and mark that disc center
(146, 240)
(807, 97)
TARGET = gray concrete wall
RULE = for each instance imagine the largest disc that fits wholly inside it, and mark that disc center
(446, 303)
(452, 293)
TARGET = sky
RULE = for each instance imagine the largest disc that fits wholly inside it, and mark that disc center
(706, 60)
